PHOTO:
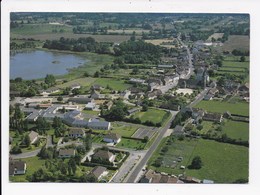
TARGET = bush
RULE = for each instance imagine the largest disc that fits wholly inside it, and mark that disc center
(196, 163)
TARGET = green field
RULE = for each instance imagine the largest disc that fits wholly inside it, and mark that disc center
(124, 130)
(130, 143)
(223, 163)
(84, 82)
(154, 115)
(115, 84)
(239, 42)
(237, 130)
(33, 164)
(239, 108)
(91, 112)
(35, 29)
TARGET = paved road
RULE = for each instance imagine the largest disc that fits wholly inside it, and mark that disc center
(127, 166)
(25, 154)
(139, 166)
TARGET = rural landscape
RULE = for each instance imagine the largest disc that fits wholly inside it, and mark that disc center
(129, 98)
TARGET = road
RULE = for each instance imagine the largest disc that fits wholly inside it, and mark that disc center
(127, 166)
(190, 64)
(139, 166)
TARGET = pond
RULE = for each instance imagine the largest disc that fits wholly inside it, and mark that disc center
(36, 64)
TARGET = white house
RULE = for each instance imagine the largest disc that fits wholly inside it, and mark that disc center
(90, 106)
(17, 167)
(76, 133)
(112, 138)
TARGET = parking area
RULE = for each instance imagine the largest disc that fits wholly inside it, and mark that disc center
(141, 133)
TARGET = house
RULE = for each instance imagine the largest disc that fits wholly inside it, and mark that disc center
(66, 153)
(81, 99)
(112, 138)
(133, 110)
(213, 91)
(147, 177)
(155, 93)
(96, 87)
(76, 133)
(17, 167)
(90, 106)
(189, 179)
(134, 80)
(109, 105)
(98, 172)
(75, 86)
(33, 136)
(153, 177)
(215, 117)
(103, 155)
(96, 95)
(50, 91)
(208, 97)
(125, 94)
(178, 130)
(153, 86)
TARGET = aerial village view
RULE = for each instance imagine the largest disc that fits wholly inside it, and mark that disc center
(129, 98)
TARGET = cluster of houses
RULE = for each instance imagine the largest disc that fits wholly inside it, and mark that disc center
(152, 176)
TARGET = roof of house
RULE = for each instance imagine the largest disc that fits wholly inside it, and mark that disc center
(156, 178)
(66, 152)
(16, 165)
(103, 154)
(76, 131)
(113, 136)
(33, 135)
(98, 170)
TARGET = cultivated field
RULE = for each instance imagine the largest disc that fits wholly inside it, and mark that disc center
(55, 36)
(222, 163)
(240, 42)
(239, 108)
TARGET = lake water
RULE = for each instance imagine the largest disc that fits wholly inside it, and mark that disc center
(36, 64)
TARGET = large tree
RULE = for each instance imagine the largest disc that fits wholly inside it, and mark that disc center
(196, 163)
(50, 80)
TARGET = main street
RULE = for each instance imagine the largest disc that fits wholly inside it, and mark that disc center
(139, 166)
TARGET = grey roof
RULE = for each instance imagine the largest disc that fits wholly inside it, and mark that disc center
(33, 135)
(103, 154)
(98, 171)
(16, 165)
